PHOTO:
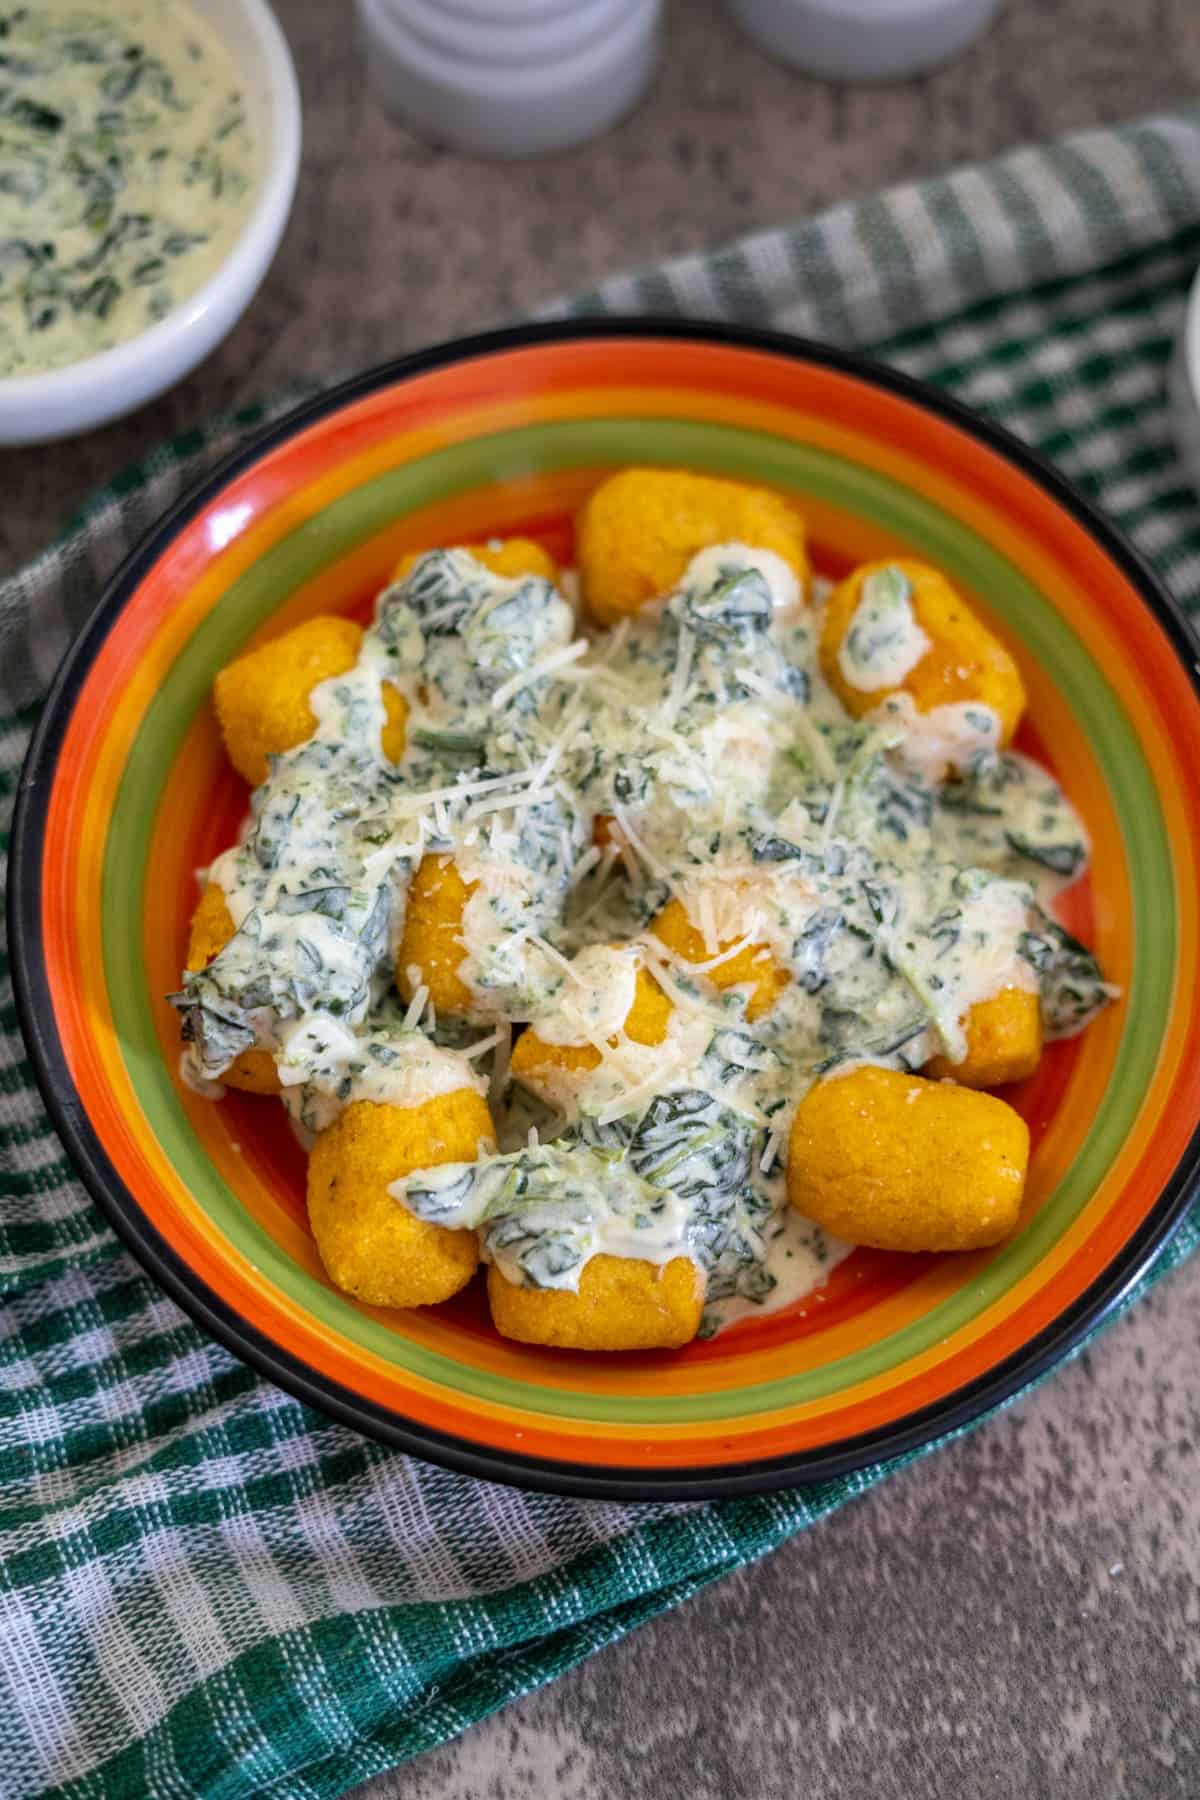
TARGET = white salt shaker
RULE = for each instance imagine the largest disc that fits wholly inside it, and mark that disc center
(506, 78)
(863, 40)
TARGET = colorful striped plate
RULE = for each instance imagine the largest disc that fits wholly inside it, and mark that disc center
(126, 793)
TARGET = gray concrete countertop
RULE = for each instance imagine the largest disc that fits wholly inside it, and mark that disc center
(1017, 1617)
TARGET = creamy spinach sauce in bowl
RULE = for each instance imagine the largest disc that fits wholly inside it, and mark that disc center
(127, 169)
(893, 894)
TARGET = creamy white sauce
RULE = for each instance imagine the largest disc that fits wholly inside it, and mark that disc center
(595, 998)
(943, 739)
(127, 168)
(323, 1066)
(197, 1083)
(798, 1257)
(598, 1209)
(720, 561)
(883, 642)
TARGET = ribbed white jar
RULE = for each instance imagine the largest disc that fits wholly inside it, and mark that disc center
(506, 78)
(864, 40)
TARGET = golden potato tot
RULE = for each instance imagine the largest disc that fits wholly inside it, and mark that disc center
(901, 1163)
(1004, 1042)
(640, 529)
(509, 557)
(371, 1245)
(964, 662)
(253, 1071)
(538, 1064)
(261, 699)
(211, 929)
(431, 942)
(394, 735)
(754, 965)
(622, 1304)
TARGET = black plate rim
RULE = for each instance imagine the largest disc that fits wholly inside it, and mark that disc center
(699, 1482)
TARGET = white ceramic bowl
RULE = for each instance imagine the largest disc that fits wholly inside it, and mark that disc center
(35, 409)
(1183, 387)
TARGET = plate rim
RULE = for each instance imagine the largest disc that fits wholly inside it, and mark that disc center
(207, 1309)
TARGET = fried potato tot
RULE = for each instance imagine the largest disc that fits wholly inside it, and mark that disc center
(546, 1068)
(622, 1304)
(1004, 1042)
(261, 699)
(640, 529)
(901, 1163)
(394, 735)
(212, 927)
(431, 942)
(371, 1245)
(964, 662)
(509, 557)
(754, 965)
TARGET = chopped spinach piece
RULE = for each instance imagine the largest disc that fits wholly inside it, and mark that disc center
(1060, 859)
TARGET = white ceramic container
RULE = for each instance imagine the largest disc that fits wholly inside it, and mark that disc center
(864, 40)
(510, 78)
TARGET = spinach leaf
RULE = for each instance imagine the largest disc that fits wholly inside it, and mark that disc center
(813, 946)
(689, 1143)
(1072, 983)
(737, 606)
(1060, 859)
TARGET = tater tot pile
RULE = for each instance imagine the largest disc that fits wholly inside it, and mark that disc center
(476, 920)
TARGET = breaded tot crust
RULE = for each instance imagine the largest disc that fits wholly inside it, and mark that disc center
(261, 699)
(964, 662)
(431, 942)
(538, 1064)
(640, 529)
(754, 965)
(622, 1304)
(212, 927)
(901, 1163)
(509, 557)
(394, 735)
(370, 1244)
(1004, 1041)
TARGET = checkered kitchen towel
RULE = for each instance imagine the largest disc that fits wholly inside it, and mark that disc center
(207, 1589)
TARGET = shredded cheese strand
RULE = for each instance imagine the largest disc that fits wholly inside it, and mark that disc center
(546, 665)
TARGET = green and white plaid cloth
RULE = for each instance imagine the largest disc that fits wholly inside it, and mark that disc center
(207, 1589)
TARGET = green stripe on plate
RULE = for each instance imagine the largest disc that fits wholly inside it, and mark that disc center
(356, 516)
